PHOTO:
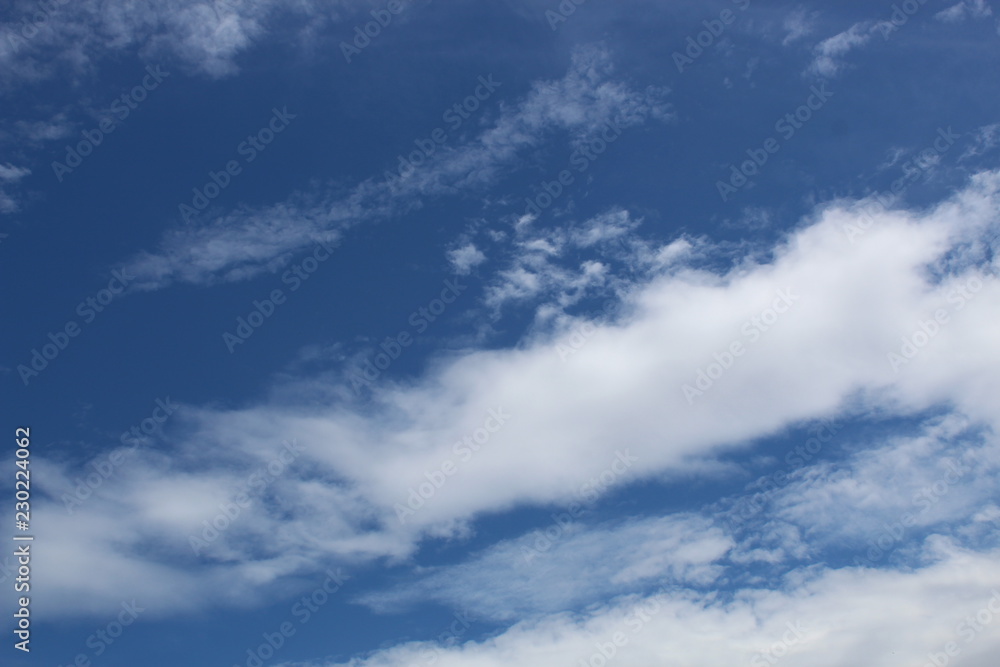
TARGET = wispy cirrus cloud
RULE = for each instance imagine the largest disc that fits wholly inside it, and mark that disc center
(798, 24)
(10, 175)
(241, 243)
(571, 566)
(828, 55)
(976, 9)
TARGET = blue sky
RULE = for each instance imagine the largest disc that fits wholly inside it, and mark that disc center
(519, 332)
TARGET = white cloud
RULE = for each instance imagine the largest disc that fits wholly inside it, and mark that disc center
(985, 139)
(242, 243)
(7, 203)
(879, 505)
(465, 258)
(860, 287)
(880, 501)
(953, 14)
(52, 129)
(827, 618)
(614, 224)
(206, 36)
(10, 174)
(568, 565)
(798, 24)
(828, 54)
(977, 9)
(556, 268)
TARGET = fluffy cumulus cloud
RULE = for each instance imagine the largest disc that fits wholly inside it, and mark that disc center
(465, 258)
(884, 311)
